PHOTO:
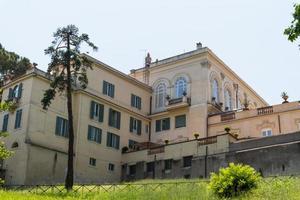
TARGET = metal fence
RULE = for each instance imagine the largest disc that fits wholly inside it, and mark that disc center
(109, 188)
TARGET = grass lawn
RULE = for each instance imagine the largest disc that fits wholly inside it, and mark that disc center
(270, 188)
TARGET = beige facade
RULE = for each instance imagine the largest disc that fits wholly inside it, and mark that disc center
(191, 93)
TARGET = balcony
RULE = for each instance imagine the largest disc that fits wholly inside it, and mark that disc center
(180, 102)
(265, 110)
(227, 116)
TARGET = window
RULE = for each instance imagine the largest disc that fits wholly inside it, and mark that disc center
(227, 96)
(92, 161)
(15, 145)
(96, 111)
(62, 128)
(168, 164)
(136, 101)
(5, 122)
(150, 167)
(160, 94)
(266, 132)
(131, 143)
(135, 126)
(162, 125)
(180, 121)
(132, 169)
(215, 90)
(114, 118)
(18, 119)
(16, 92)
(180, 87)
(146, 128)
(94, 134)
(111, 167)
(187, 161)
(113, 140)
(108, 89)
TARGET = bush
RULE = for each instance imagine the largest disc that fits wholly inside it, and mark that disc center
(234, 180)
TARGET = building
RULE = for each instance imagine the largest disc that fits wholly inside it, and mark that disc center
(125, 124)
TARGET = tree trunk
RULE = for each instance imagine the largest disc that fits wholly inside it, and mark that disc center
(70, 172)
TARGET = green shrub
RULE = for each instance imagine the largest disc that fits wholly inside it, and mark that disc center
(234, 180)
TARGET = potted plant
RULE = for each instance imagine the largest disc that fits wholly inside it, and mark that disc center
(166, 142)
(227, 129)
(196, 135)
(184, 93)
(285, 97)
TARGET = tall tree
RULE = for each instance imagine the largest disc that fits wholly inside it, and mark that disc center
(68, 70)
(11, 64)
(4, 152)
(293, 31)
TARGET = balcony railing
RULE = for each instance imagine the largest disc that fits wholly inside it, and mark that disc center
(227, 116)
(206, 141)
(178, 102)
(156, 150)
(265, 110)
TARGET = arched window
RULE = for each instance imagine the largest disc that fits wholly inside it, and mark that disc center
(180, 87)
(16, 91)
(239, 106)
(227, 97)
(215, 90)
(160, 95)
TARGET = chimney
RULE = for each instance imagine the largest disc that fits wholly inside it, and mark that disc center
(199, 45)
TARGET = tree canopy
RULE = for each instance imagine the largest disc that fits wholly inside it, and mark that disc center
(12, 64)
(293, 31)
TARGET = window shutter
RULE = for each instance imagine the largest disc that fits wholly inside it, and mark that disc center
(58, 124)
(99, 135)
(139, 127)
(157, 125)
(20, 90)
(117, 142)
(10, 93)
(92, 109)
(139, 103)
(67, 128)
(132, 100)
(118, 120)
(5, 122)
(131, 125)
(89, 133)
(112, 90)
(167, 123)
(110, 117)
(101, 112)
(108, 140)
(104, 89)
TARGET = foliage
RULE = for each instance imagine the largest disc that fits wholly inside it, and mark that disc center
(234, 180)
(293, 31)
(12, 64)
(68, 69)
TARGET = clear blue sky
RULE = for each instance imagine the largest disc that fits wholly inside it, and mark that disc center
(246, 35)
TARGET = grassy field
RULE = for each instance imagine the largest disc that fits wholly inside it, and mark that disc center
(273, 189)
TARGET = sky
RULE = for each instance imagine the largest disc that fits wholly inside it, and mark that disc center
(247, 35)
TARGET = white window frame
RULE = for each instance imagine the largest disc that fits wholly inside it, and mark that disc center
(160, 94)
(266, 132)
(228, 99)
(180, 87)
(215, 90)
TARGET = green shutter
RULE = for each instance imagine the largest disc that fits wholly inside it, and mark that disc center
(20, 90)
(58, 124)
(158, 125)
(110, 117)
(118, 120)
(89, 133)
(101, 112)
(131, 125)
(117, 142)
(104, 88)
(139, 127)
(167, 123)
(139, 103)
(132, 100)
(5, 122)
(112, 90)
(67, 128)
(10, 93)
(99, 136)
(92, 108)
(108, 139)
